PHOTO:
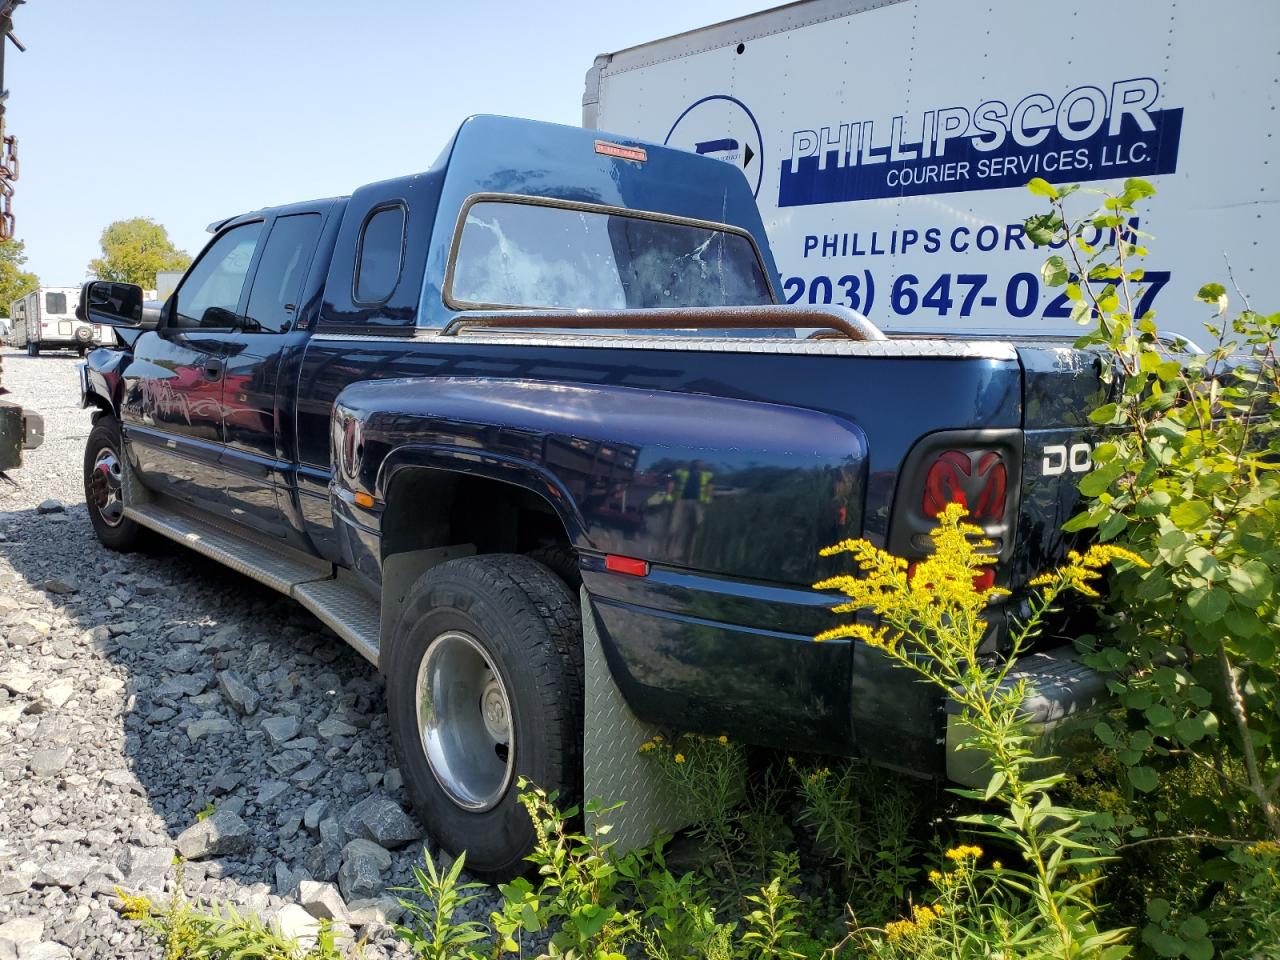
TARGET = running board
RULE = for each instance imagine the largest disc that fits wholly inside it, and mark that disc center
(346, 608)
(339, 602)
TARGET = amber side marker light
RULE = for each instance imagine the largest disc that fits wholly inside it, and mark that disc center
(363, 500)
(628, 565)
(638, 154)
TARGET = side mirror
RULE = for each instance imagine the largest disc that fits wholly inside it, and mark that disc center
(113, 304)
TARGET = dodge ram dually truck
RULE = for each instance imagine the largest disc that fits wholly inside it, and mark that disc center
(545, 391)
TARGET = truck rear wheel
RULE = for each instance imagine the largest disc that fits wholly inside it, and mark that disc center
(484, 686)
(104, 486)
(33, 349)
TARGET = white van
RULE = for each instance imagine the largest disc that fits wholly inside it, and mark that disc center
(45, 319)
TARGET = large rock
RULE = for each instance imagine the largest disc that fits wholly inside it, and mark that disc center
(289, 761)
(382, 911)
(58, 693)
(296, 924)
(19, 679)
(20, 934)
(50, 761)
(321, 900)
(183, 685)
(359, 878)
(238, 693)
(45, 951)
(314, 814)
(219, 835)
(367, 848)
(269, 791)
(323, 861)
(209, 726)
(334, 726)
(19, 880)
(381, 820)
(145, 868)
(281, 729)
(66, 871)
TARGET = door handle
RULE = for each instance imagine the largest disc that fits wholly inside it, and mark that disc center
(211, 369)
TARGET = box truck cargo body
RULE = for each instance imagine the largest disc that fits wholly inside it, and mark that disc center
(889, 144)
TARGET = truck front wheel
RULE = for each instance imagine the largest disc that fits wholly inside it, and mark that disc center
(484, 687)
(104, 486)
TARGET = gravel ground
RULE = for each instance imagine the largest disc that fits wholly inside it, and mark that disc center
(135, 691)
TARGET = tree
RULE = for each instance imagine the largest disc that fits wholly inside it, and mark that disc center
(14, 281)
(133, 251)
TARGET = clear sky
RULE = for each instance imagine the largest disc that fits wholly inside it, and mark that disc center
(188, 111)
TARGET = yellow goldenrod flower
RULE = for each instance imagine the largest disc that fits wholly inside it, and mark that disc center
(646, 746)
(679, 758)
(1264, 848)
(723, 740)
(964, 852)
(996, 865)
(923, 916)
(899, 929)
(935, 876)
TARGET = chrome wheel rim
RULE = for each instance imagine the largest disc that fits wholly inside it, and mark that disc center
(105, 487)
(464, 721)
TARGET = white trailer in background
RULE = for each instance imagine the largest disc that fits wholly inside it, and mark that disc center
(889, 143)
(45, 319)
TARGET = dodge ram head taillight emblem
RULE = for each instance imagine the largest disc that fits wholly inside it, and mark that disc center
(979, 480)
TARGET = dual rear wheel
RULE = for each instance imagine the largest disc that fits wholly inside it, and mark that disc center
(484, 687)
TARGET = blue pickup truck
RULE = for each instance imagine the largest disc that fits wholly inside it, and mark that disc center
(546, 384)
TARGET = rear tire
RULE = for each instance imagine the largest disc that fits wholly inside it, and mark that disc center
(103, 487)
(560, 559)
(487, 647)
(33, 349)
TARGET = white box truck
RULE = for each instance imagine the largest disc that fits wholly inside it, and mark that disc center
(889, 143)
(45, 319)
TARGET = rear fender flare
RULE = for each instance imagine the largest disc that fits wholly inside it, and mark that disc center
(505, 469)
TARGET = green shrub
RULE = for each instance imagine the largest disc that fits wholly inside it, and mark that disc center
(194, 931)
(862, 821)
(432, 931)
(1186, 477)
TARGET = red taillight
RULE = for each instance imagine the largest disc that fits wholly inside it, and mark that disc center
(628, 565)
(979, 480)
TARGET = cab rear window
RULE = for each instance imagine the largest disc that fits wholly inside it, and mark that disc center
(513, 254)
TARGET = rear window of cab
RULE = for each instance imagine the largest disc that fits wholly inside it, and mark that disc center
(518, 254)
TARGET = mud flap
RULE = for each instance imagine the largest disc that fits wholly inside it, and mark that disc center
(614, 770)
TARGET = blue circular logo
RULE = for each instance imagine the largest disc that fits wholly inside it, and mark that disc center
(721, 126)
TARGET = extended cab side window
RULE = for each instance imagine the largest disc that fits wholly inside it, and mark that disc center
(379, 255)
(273, 301)
(210, 294)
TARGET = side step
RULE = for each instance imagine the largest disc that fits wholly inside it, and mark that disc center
(340, 602)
